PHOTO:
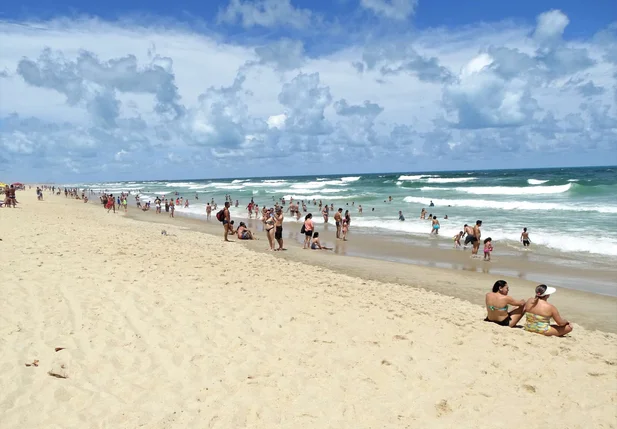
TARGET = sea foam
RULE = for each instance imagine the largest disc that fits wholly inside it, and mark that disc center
(510, 205)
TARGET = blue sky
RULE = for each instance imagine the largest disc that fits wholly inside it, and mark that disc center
(139, 90)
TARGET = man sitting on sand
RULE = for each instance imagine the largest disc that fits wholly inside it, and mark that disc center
(497, 303)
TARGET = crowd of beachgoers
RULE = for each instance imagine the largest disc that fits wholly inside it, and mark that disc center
(537, 311)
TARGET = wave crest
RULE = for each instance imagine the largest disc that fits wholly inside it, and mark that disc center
(511, 205)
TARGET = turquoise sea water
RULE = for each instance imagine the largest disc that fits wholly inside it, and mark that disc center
(569, 210)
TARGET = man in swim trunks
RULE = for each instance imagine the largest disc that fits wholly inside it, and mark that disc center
(477, 234)
(337, 220)
(278, 232)
(470, 237)
(525, 238)
(226, 221)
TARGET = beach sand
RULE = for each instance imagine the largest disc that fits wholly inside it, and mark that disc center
(187, 331)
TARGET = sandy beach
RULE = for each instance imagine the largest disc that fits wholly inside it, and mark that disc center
(184, 330)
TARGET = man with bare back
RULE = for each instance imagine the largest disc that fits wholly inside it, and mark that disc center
(477, 234)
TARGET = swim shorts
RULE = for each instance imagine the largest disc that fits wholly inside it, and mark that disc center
(278, 233)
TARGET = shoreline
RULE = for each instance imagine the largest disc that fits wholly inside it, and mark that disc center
(575, 271)
(589, 309)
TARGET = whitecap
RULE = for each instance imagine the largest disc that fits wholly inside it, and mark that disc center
(513, 190)
(450, 180)
(511, 205)
(536, 181)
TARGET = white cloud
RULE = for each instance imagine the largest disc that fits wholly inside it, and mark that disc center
(392, 9)
(91, 99)
(550, 27)
(277, 121)
(265, 13)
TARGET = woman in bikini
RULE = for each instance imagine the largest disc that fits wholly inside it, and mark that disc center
(540, 312)
(269, 226)
(497, 303)
(308, 230)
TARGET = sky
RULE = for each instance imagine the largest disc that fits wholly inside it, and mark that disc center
(141, 90)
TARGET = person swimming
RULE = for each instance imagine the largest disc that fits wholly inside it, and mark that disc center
(400, 216)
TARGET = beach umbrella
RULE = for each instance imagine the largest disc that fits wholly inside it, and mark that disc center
(18, 184)
(3, 184)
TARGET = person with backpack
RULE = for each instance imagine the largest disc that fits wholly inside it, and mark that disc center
(224, 217)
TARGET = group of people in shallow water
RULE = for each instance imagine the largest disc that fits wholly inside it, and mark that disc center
(537, 310)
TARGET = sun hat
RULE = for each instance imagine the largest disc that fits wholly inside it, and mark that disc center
(549, 290)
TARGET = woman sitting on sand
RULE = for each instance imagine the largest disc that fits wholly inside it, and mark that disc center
(244, 233)
(316, 244)
(540, 312)
(497, 303)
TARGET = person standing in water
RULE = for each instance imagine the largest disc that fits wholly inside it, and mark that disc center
(525, 238)
(338, 222)
(477, 233)
(457, 239)
(435, 226)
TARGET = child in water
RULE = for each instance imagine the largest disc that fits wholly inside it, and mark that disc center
(457, 239)
(488, 248)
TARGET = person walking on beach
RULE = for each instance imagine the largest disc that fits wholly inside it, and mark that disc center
(111, 203)
(539, 313)
(477, 233)
(278, 232)
(525, 238)
(337, 222)
(497, 303)
(269, 226)
(172, 208)
(208, 211)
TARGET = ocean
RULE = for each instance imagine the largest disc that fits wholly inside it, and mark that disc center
(566, 210)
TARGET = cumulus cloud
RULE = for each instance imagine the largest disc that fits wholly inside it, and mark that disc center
(90, 99)
(265, 13)
(283, 55)
(305, 100)
(550, 27)
(392, 9)
(393, 58)
(88, 80)
(366, 109)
